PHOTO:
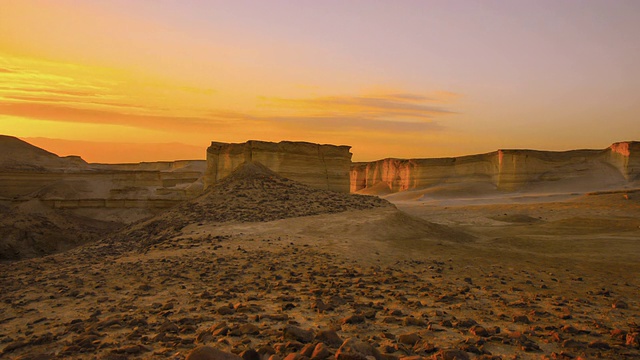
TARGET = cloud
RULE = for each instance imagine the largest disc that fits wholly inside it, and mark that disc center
(45, 90)
(399, 107)
(49, 99)
(353, 124)
(62, 113)
(6, 71)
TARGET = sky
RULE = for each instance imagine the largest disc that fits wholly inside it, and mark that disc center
(147, 80)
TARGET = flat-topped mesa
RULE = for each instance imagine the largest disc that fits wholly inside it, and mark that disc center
(317, 165)
(505, 170)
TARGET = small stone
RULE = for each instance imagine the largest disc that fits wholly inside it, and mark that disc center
(409, 339)
(478, 330)
(523, 319)
(330, 338)
(250, 355)
(619, 304)
(320, 352)
(451, 354)
(467, 323)
(353, 319)
(354, 349)
(307, 350)
(295, 333)
(249, 329)
(209, 353)
(225, 310)
(413, 321)
(294, 356)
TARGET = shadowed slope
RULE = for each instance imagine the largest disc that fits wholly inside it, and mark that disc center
(19, 155)
(31, 229)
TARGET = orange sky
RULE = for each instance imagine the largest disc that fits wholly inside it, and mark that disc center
(124, 81)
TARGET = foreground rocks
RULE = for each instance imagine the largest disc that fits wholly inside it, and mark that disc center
(257, 277)
(269, 298)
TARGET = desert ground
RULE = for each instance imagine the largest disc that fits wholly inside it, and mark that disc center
(263, 267)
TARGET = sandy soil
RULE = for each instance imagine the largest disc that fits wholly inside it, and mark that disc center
(505, 281)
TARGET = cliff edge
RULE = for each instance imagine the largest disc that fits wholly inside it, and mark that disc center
(505, 170)
(319, 166)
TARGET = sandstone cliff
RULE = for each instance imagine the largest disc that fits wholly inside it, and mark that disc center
(319, 166)
(97, 190)
(505, 170)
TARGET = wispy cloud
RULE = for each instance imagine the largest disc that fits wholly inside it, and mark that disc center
(62, 113)
(75, 94)
(391, 112)
(327, 124)
(45, 99)
(392, 107)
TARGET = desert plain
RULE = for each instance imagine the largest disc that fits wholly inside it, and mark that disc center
(263, 267)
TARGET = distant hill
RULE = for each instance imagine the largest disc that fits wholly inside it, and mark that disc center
(19, 155)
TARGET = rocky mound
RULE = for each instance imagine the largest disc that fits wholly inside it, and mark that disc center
(251, 193)
(255, 193)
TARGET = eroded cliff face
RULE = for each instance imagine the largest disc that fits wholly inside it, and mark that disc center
(505, 170)
(121, 192)
(320, 166)
(625, 156)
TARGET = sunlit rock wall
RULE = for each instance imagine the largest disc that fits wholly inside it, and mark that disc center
(319, 166)
(507, 170)
(625, 156)
(401, 175)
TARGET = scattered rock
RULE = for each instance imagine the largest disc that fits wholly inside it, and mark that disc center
(354, 349)
(451, 354)
(329, 337)
(210, 353)
(292, 332)
(619, 304)
(409, 339)
(320, 352)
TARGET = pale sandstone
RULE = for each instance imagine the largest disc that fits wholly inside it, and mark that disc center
(505, 170)
(316, 165)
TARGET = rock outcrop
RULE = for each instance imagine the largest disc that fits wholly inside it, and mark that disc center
(28, 172)
(505, 170)
(625, 156)
(251, 193)
(320, 166)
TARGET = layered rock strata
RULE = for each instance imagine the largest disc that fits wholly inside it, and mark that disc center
(320, 166)
(28, 172)
(506, 170)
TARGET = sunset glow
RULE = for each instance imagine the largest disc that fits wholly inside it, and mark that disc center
(410, 79)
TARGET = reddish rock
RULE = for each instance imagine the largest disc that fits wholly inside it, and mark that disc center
(354, 349)
(478, 330)
(320, 352)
